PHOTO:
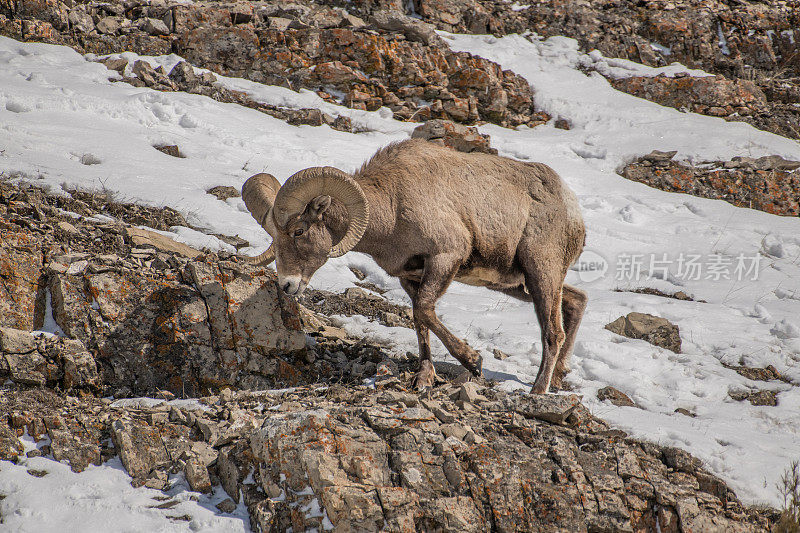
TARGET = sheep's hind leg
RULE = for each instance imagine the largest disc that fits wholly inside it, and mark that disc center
(544, 287)
(426, 377)
(573, 304)
(438, 274)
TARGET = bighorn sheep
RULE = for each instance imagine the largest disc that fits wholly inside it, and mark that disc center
(430, 215)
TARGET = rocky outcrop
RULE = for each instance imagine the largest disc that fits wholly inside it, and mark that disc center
(733, 100)
(396, 61)
(352, 458)
(153, 314)
(46, 360)
(183, 77)
(186, 326)
(21, 284)
(769, 183)
(722, 37)
(150, 316)
(748, 42)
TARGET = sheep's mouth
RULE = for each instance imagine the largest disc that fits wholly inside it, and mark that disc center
(294, 291)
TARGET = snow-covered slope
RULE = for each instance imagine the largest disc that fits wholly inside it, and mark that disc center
(56, 108)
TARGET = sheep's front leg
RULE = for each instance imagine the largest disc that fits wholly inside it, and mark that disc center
(426, 377)
(436, 278)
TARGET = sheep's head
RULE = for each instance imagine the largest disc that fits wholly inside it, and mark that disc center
(294, 216)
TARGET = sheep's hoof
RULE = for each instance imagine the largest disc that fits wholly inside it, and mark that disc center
(425, 378)
(539, 388)
(476, 367)
(557, 383)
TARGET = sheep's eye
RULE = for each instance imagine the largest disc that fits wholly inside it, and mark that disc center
(298, 232)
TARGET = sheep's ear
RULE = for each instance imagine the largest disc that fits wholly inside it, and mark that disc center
(318, 206)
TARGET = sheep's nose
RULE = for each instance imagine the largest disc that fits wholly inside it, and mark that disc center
(290, 284)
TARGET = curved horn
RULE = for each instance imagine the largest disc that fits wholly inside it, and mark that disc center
(262, 259)
(259, 193)
(307, 184)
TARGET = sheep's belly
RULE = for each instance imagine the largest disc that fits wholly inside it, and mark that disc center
(485, 277)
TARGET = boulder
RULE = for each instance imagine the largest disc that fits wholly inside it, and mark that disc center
(556, 409)
(108, 25)
(456, 136)
(653, 329)
(615, 396)
(151, 239)
(140, 447)
(197, 475)
(183, 74)
(153, 332)
(80, 21)
(21, 294)
(153, 26)
(413, 29)
(14, 341)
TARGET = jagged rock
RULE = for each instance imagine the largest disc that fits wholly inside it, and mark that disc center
(709, 95)
(499, 354)
(758, 398)
(414, 29)
(145, 72)
(117, 64)
(197, 475)
(471, 392)
(78, 365)
(226, 506)
(456, 136)
(767, 162)
(108, 25)
(69, 448)
(653, 329)
(553, 409)
(10, 446)
(14, 341)
(21, 295)
(324, 461)
(49, 360)
(80, 21)
(67, 228)
(146, 322)
(279, 23)
(169, 149)
(657, 156)
(768, 373)
(615, 396)
(139, 446)
(147, 238)
(184, 75)
(19, 360)
(153, 26)
(223, 192)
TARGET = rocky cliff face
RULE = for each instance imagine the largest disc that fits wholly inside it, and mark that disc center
(389, 60)
(351, 458)
(155, 318)
(741, 41)
(142, 314)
